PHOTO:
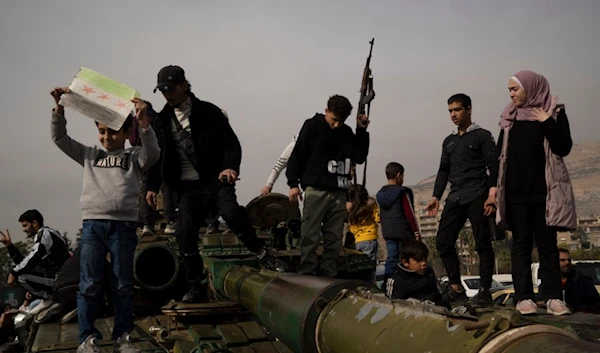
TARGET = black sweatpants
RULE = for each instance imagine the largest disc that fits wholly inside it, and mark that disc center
(197, 200)
(528, 222)
(453, 219)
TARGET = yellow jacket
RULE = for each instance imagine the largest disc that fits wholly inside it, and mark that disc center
(367, 229)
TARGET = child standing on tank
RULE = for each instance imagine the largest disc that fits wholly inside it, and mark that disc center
(363, 219)
(398, 221)
(109, 203)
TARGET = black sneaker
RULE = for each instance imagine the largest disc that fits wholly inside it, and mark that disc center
(196, 295)
(452, 296)
(271, 262)
(482, 298)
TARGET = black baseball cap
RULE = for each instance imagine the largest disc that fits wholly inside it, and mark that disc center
(168, 77)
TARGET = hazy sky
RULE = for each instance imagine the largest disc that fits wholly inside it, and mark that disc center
(273, 64)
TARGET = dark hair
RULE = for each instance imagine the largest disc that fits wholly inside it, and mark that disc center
(128, 124)
(460, 98)
(563, 250)
(32, 215)
(361, 207)
(414, 249)
(392, 169)
(340, 106)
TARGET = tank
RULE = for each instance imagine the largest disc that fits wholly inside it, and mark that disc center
(253, 310)
(162, 323)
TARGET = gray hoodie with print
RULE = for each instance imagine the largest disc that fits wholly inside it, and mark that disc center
(111, 180)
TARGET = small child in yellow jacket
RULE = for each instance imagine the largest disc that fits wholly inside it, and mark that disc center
(363, 219)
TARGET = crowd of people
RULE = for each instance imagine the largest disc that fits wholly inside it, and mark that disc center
(189, 151)
(524, 189)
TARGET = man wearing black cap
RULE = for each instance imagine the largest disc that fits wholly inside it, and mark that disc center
(200, 160)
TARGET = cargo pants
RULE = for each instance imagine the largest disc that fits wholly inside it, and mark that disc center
(324, 213)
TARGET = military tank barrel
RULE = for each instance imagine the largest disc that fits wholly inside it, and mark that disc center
(314, 314)
(156, 265)
(376, 324)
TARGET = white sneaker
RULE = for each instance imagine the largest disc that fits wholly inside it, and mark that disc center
(90, 345)
(527, 307)
(557, 307)
(146, 232)
(170, 228)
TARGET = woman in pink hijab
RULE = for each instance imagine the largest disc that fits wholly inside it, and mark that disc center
(534, 196)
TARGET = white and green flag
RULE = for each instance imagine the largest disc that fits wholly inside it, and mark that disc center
(100, 98)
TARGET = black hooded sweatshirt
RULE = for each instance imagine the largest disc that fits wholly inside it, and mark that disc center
(322, 157)
(406, 284)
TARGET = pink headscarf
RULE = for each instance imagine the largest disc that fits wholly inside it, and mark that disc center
(538, 96)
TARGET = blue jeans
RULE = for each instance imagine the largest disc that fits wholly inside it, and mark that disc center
(368, 247)
(393, 256)
(97, 239)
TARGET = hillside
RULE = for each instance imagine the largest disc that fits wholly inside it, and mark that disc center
(583, 164)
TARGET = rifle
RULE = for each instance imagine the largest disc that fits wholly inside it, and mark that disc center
(367, 94)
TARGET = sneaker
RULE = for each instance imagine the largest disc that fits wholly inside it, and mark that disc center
(170, 228)
(123, 344)
(270, 262)
(68, 316)
(464, 309)
(557, 307)
(46, 314)
(527, 307)
(482, 298)
(147, 231)
(196, 295)
(452, 296)
(90, 345)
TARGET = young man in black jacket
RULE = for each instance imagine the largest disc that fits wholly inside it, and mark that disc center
(200, 160)
(578, 290)
(467, 155)
(37, 270)
(320, 163)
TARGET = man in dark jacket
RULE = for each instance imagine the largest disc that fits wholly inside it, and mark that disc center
(578, 289)
(467, 156)
(36, 272)
(200, 160)
(398, 221)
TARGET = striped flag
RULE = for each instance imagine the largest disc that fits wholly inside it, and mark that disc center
(100, 98)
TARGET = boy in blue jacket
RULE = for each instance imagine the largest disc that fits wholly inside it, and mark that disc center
(398, 221)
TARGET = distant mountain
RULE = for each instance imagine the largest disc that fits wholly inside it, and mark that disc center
(583, 164)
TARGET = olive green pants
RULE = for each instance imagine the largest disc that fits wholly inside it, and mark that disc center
(324, 213)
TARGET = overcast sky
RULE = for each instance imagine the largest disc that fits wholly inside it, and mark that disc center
(273, 64)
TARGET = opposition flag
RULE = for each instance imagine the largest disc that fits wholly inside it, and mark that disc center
(100, 98)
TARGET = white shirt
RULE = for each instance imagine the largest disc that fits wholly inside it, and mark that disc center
(182, 113)
(281, 162)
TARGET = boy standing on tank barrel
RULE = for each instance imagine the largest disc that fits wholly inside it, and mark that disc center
(320, 163)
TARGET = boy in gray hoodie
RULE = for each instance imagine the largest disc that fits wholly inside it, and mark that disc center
(109, 203)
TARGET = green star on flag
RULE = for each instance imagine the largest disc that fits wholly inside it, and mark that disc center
(100, 98)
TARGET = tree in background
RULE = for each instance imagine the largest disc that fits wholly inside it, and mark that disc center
(434, 257)
(467, 254)
(503, 255)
